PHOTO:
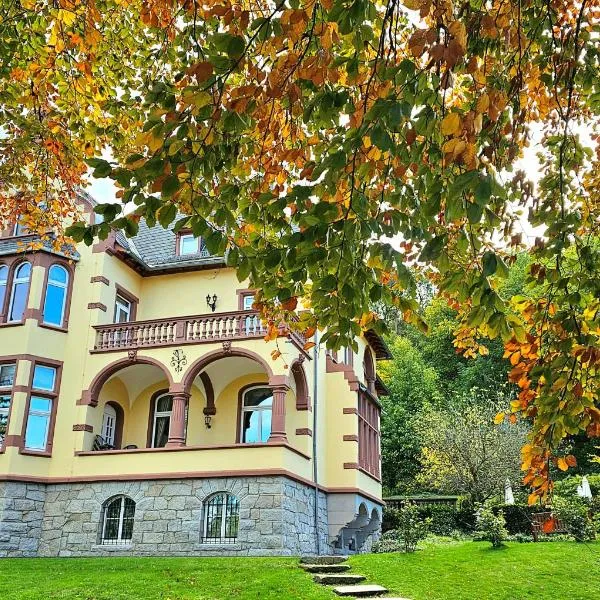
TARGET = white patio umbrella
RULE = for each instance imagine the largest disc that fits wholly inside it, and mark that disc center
(509, 497)
(586, 491)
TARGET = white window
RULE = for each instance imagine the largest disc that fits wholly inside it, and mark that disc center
(20, 291)
(188, 244)
(221, 519)
(252, 323)
(44, 378)
(117, 520)
(7, 378)
(257, 407)
(122, 310)
(56, 295)
(19, 229)
(3, 285)
(348, 355)
(109, 425)
(7, 375)
(38, 423)
(39, 415)
(163, 405)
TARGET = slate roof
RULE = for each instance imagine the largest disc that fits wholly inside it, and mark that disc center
(15, 245)
(155, 248)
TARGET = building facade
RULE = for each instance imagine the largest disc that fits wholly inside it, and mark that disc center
(141, 411)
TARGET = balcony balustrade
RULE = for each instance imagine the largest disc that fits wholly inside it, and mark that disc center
(199, 329)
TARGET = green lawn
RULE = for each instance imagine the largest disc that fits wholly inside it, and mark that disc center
(156, 579)
(460, 571)
(475, 571)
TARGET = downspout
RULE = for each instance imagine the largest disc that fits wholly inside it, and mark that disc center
(314, 448)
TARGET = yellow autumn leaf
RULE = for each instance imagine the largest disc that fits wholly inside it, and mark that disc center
(412, 4)
(562, 464)
(66, 16)
(451, 124)
(499, 418)
(483, 103)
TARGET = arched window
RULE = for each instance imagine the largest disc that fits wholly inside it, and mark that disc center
(221, 519)
(56, 295)
(20, 289)
(369, 370)
(3, 285)
(163, 405)
(117, 520)
(257, 407)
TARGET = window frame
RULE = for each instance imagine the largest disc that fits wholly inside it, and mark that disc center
(369, 435)
(14, 280)
(225, 504)
(119, 540)
(243, 410)
(128, 297)
(183, 235)
(3, 301)
(7, 390)
(66, 305)
(51, 395)
(158, 414)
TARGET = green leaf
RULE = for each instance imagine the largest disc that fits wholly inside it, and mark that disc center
(474, 212)
(433, 248)
(490, 263)
(170, 185)
(167, 214)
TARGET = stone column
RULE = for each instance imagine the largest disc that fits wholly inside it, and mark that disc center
(279, 385)
(177, 424)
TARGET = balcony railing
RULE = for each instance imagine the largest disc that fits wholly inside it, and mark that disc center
(197, 329)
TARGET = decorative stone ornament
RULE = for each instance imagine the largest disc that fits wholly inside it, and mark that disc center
(132, 354)
(179, 360)
(227, 347)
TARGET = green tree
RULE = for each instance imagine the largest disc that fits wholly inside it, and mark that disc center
(412, 386)
(466, 452)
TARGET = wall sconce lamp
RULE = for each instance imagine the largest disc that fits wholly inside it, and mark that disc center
(212, 302)
(207, 420)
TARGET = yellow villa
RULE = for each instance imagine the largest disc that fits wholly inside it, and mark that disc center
(141, 412)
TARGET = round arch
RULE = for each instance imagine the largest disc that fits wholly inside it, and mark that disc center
(90, 396)
(369, 369)
(302, 394)
(201, 363)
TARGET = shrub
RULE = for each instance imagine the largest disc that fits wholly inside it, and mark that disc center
(574, 512)
(390, 541)
(568, 486)
(444, 518)
(409, 529)
(491, 527)
(518, 517)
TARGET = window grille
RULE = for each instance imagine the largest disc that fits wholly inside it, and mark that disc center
(117, 525)
(221, 519)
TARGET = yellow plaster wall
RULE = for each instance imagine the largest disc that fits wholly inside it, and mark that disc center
(166, 296)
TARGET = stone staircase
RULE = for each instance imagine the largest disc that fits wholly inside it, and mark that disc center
(333, 570)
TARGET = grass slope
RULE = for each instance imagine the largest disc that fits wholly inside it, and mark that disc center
(458, 571)
(475, 571)
(157, 579)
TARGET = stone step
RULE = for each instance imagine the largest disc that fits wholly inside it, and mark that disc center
(338, 579)
(323, 560)
(339, 568)
(360, 591)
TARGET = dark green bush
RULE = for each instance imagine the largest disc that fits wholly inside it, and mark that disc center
(444, 519)
(518, 517)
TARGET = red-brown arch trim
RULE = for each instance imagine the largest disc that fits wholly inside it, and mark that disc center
(201, 363)
(210, 408)
(90, 396)
(302, 395)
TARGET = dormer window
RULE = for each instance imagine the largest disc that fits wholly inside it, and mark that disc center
(19, 229)
(188, 244)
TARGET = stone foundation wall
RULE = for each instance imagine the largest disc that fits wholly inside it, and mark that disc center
(21, 518)
(276, 518)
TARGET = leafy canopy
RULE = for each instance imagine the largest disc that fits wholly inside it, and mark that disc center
(300, 135)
